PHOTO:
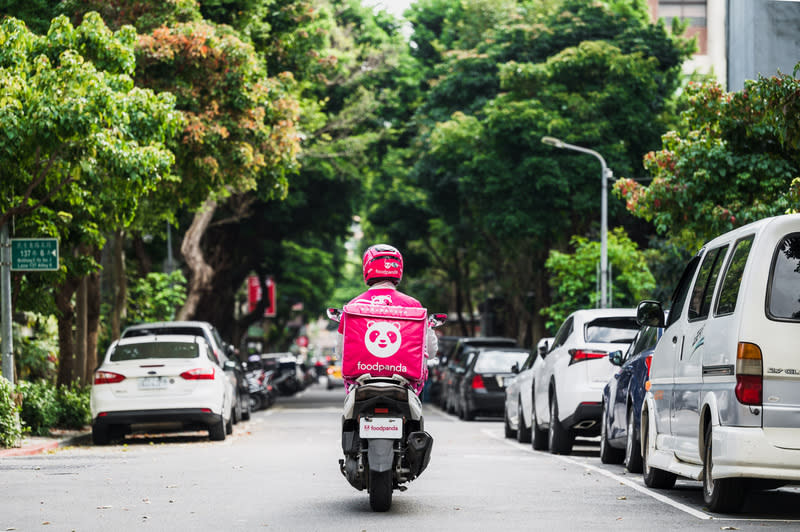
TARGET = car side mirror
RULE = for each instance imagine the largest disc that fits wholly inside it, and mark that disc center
(515, 368)
(334, 314)
(615, 357)
(650, 313)
(229, 365)
(543, 349)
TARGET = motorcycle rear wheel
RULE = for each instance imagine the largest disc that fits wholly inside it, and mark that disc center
(380, 490)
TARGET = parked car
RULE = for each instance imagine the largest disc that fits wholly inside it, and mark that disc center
(622, 401)
(221, 350)
(436, 367)
(165, 379)
(568, 385)
(518, 415)
(724, 400)
(334, 377)
(482, 387)
(457, 363)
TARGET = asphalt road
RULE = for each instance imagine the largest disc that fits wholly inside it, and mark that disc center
(279, 471)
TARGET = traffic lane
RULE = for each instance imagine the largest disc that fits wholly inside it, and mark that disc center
(781, 505)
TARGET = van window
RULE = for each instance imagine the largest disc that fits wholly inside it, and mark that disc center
(732, 279)
(703, 291)
(784, 291)
(682, 290)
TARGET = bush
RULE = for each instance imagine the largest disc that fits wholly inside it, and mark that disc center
(10, 424)
(74, 406)
(40, 406)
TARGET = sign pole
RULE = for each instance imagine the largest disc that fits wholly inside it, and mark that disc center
(5, 281)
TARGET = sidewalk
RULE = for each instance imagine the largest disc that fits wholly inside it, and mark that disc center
(32, 445)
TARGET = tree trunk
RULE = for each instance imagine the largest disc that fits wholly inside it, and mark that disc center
(80, 329)
(66, 314)
(200, 272)
(92, 323)
(120, 286)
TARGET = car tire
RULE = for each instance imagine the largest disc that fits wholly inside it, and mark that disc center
(101, 434)
(216, 431)
(608, 454)
(256, 403)
(539, 436)
(246, 410)
(380, 490)
(467, 414)
(229, 423)
(723, 495)
(523, 433)
(633, 448)
(653, 477)
(508, 431)
(559, 439)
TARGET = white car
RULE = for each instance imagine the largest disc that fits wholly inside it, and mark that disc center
(519, 396)
(723, 404)
(568, 384)
(160, 379)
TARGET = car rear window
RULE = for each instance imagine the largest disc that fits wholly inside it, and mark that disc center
(499, 361)
(784, 291)
(616, 330)
(155, 350)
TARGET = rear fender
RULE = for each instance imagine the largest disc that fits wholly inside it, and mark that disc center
(380, 455)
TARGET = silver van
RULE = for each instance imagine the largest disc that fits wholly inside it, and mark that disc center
(723, 400)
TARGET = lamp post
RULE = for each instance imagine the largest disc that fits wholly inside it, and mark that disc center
(605, 174)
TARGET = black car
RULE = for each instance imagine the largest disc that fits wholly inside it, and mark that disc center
(482, 388)
(436, 367)
(456, 365)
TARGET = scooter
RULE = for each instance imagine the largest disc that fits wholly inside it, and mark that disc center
(383, 435)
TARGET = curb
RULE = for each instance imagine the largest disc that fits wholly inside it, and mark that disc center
(40, 448)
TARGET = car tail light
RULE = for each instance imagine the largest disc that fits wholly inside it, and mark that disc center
(579, 355)
(107, 377)
(647, 361)
(199, 374)
(477, 383)
(749, 374)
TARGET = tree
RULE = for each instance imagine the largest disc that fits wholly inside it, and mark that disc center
(573, 276)
(733, 159)
(80, 145)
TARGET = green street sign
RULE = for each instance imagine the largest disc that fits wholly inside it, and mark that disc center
(34, 254)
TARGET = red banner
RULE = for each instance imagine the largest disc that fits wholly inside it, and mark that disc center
(254, 295)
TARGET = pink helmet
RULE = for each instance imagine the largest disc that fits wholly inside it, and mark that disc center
(382, 263)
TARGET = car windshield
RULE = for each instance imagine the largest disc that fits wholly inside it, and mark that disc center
(155, 350)
(611, 330)
(499, 361)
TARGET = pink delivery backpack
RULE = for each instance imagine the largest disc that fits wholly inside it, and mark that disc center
(383, 340)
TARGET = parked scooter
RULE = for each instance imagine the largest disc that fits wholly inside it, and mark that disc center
(383, 435)
(259, 381)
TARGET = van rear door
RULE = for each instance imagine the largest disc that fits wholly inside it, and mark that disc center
(779, 346)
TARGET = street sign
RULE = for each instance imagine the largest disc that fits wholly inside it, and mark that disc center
(34, 254)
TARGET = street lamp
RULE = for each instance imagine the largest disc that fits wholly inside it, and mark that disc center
(605, 174)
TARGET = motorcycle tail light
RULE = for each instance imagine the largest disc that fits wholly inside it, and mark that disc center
(381, 410)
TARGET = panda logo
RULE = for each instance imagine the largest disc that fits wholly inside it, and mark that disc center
(383, 338)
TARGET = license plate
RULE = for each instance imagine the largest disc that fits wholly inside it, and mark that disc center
(381, 427)
(153, 383)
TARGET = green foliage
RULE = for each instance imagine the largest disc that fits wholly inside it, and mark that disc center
(74, 409)
(156, 296)
(10, 423)
(36, 347)
(734, 158)
(573, 276)
(40, 406)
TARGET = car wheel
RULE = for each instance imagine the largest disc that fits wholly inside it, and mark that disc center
(236, 413)
(633, 453)
(100, 435)
(608, 454)
(255, 403)
(229, 423)
(216, 431)
(559, 439)
(523, 433)
(508, 431)
(246, 408)
(653, 478)
(723, 495)
(539, 436)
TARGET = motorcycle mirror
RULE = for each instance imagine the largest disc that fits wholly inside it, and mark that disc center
(436, 320)
(334, 314)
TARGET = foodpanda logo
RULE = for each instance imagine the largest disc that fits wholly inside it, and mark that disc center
(383, 338)
(391, 264)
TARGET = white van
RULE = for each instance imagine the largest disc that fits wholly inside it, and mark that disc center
(723, 400)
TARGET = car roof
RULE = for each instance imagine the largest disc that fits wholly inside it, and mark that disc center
(487, 340)
(157, 324)
(152, 338)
